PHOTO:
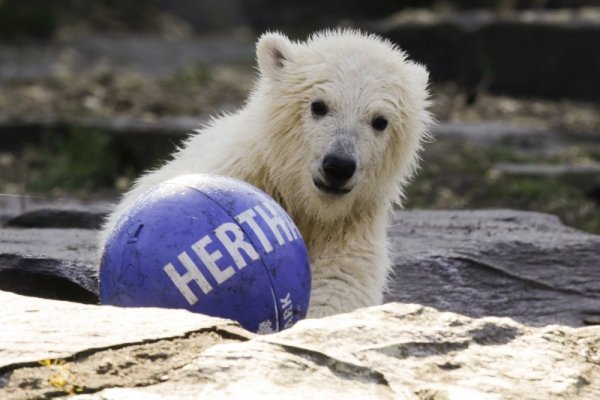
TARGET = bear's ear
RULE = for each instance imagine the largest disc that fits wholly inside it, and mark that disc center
(418, 74)
(273, 52)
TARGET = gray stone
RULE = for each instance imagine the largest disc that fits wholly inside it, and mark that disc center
(474, 263)
(12, 206)
(51, 218)
(393, 351)
(53, 263)
(523, 265)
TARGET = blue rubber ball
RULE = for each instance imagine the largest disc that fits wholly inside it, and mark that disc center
(211, 245)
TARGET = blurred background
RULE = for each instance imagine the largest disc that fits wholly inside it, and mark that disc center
(94, 92)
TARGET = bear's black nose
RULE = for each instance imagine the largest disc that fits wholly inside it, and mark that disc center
(338, 170)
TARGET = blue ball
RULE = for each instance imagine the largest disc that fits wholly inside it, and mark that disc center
(212, 245)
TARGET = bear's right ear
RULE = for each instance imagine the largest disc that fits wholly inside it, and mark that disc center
(273, 52)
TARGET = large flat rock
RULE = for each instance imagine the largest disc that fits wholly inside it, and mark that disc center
(51, 263)
(393, 351)
(527, 266)
(34, 329)
(12, 206)
(523, 265)
(53, 348)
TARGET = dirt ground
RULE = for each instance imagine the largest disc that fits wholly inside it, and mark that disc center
(204, 90)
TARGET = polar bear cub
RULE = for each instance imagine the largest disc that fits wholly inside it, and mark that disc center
(332, 131)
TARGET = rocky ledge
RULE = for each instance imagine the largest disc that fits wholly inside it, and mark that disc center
(489, 304)
(394, 351)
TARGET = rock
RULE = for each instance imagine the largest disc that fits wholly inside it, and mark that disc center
(523, 265)
(104, 345)
(60, 329)
(51, 263)
(585, 177)
(493, 133)
(524, 53)
(51, 218)
(476, 264)
(395, 351)
(55, 264)
(14, 206)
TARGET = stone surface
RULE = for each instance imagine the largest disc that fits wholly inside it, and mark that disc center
(137, 364)
(523, 265)
(36, 329)
(12, 206)
(393, 351)
(50, 218)
(476, 264)
(52, 348)
(52, 263)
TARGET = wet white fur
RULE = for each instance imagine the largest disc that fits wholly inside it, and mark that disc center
(276, 144)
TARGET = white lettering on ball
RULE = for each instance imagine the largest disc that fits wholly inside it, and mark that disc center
(233, 239)
(210, 260)
(275, 222)
(247, 217)
(192, 274)
(288, 310)
(233, 246)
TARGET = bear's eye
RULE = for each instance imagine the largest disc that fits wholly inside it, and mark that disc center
(379, 123)
(319, 108)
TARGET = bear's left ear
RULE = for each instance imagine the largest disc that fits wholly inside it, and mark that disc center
(273, 52)
(418, 74)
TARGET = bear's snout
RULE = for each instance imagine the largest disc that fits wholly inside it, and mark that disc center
(338, 170)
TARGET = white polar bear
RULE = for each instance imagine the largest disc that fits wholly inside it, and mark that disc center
(332, 131)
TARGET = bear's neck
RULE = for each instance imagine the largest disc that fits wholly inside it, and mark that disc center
(355, 226)
(313, 228)
(358, 222)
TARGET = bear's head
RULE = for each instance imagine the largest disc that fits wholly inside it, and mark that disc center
(344, 115)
